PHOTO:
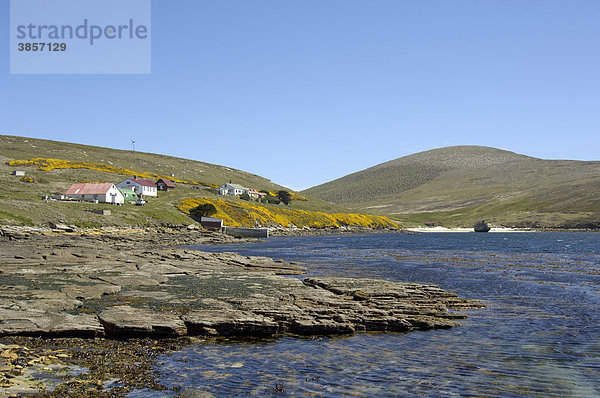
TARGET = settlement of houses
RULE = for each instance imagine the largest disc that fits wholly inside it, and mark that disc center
(130, 190)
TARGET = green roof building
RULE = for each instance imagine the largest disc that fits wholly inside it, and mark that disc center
(129, 195)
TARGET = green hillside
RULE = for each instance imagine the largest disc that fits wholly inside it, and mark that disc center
(12, 147)
(21, 202)
(460, 185)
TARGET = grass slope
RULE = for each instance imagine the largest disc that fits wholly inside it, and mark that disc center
(460, 185)
(21, 204)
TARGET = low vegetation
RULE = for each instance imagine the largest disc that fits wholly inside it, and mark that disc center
(52, 164)
(247, 214)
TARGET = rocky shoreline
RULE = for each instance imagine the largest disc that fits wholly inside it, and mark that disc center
(119, 285)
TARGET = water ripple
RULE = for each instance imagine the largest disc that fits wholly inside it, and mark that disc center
(539, 335)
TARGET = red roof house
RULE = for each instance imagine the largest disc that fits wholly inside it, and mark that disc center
(164, 184)
(253, 193)
(104, 192)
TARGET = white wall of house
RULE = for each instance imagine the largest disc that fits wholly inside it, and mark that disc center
(113, 196)
(227, 189)
(149, 191)
(140, 189)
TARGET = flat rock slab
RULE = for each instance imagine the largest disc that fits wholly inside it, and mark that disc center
(89, 291)
(228, 322)
(49, 324)
(134, 279)
(380, 291)
(125, 321)
(134, 285)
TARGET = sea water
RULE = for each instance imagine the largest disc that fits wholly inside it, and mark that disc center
(538, 336)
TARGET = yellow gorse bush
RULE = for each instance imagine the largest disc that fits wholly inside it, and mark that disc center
(45, 164)
(293, 195)
(238, 214)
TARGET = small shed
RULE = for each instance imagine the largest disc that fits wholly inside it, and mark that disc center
(211, 223)
(164, 184)
(18, 173)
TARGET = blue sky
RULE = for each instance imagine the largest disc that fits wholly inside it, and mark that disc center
(306, 91)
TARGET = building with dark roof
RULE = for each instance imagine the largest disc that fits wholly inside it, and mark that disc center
(164, 184)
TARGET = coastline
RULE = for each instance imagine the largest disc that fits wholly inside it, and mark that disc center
(494, 230)
(70, 300)
(329, 231)
(462, 230)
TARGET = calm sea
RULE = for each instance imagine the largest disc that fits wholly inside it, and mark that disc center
(539, 335)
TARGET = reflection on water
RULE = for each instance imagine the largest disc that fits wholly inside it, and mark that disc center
(539, 335)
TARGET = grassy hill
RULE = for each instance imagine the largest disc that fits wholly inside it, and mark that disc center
(57, 165)
(460, 185)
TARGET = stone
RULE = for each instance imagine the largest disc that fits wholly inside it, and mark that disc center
(322, 327)
(62, 227)
(46, 324)
(126, 321)
(229, 322)
(134, 279)
(89, 291)
(195, 394)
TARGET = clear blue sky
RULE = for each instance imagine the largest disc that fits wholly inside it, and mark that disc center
(306, 91)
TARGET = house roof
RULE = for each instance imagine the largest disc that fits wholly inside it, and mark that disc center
(139, 181)
(89, 188)
(254, 191)
(127, 191)
(148, 183)
(167, 182)
(210, 219)
(236, 186)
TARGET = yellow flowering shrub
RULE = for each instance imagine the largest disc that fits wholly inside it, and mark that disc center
(27, 179)
(244, 214)
(293, 195)
(45, 164)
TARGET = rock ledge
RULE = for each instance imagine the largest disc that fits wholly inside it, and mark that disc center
(132, 285)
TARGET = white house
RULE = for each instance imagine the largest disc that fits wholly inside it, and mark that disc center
(141, 187)
(18, 173)
(232, 189)
(253, 193)
(103, 192)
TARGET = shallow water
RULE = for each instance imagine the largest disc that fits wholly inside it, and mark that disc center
(539, 335)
